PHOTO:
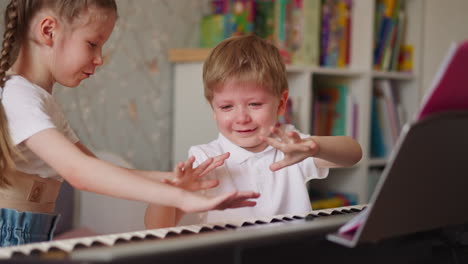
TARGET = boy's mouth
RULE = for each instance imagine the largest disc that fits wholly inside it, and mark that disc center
(246, 131)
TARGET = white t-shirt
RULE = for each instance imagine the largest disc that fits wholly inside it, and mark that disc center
(30, 109)
(281, 192)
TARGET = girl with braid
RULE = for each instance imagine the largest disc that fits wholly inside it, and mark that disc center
(49, 41)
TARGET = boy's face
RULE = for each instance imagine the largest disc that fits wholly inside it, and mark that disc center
(245, 110)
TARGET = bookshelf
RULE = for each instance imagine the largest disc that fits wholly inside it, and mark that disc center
(193, 124)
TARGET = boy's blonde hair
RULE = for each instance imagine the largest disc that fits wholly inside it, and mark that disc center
(245, 58)
(18, 16)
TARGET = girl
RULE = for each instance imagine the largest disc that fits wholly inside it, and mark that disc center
(48, 41)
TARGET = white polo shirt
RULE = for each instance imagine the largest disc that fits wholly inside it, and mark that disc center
(282, 192)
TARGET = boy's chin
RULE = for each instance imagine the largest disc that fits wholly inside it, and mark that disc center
(254, 147)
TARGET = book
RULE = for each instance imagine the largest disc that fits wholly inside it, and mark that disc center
(335, 102)
(386, 89)
(264, 20)
(212, 30)
(305, 32)
(377, 145)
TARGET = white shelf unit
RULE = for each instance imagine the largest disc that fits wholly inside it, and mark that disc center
(193, 122)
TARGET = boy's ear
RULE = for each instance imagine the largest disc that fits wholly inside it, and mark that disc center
(283, 102)
(48, 26)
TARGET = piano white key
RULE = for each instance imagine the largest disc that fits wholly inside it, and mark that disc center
(69, 245)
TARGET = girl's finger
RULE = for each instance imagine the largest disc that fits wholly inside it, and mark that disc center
(208, 184)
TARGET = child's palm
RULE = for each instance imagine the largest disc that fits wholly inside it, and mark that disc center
(191, 179)
(220, 202)
(294, 148)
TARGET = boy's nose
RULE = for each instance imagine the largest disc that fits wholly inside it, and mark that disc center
(243, 116)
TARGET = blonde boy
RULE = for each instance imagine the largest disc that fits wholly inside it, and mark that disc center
(245, 84)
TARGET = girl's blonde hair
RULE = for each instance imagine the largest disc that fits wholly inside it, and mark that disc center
(245, 58)
(18, 16)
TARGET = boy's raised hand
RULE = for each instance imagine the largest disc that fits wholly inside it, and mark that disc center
(191, 179)
(294, 148)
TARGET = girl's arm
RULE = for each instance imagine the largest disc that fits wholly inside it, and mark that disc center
(161, 216)
(88, 173)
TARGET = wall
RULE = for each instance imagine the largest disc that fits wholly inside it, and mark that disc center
(444, 22)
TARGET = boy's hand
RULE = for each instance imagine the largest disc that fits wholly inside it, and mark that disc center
(199, 203)
(189, 178)
(294, 148)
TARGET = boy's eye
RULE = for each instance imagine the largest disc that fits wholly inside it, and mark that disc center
(92, 44)
(225, 107)
(255, 104)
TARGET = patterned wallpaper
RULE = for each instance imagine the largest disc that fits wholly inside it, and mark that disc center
(126, 107)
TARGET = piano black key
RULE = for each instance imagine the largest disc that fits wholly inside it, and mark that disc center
(230, 226)
(205, 229)
(310, 217)
(186, 232)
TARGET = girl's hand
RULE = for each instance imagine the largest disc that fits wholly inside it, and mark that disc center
(189, 178)
(294, 148)
(199, 203)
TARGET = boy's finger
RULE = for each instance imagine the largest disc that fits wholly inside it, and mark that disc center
(275, 143)
(279, 165)
(221, 157)
(281, 134)
(178, 170)
(188, 167)
(202, 167)
(295, 138)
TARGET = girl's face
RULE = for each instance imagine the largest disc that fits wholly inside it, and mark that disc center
(246, 110)
(78, 50)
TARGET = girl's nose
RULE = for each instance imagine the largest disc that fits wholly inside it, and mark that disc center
(98, 60)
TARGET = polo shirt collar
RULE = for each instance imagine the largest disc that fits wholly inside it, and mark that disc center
(239, 154)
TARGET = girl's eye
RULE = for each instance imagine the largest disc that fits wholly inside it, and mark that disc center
(255, 104)
(92, 44)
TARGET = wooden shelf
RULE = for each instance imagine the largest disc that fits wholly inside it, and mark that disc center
(188, 55)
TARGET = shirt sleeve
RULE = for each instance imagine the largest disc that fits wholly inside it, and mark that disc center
(26, 113)
(199, 154)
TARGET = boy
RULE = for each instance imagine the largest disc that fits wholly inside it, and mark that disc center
(245, 84)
